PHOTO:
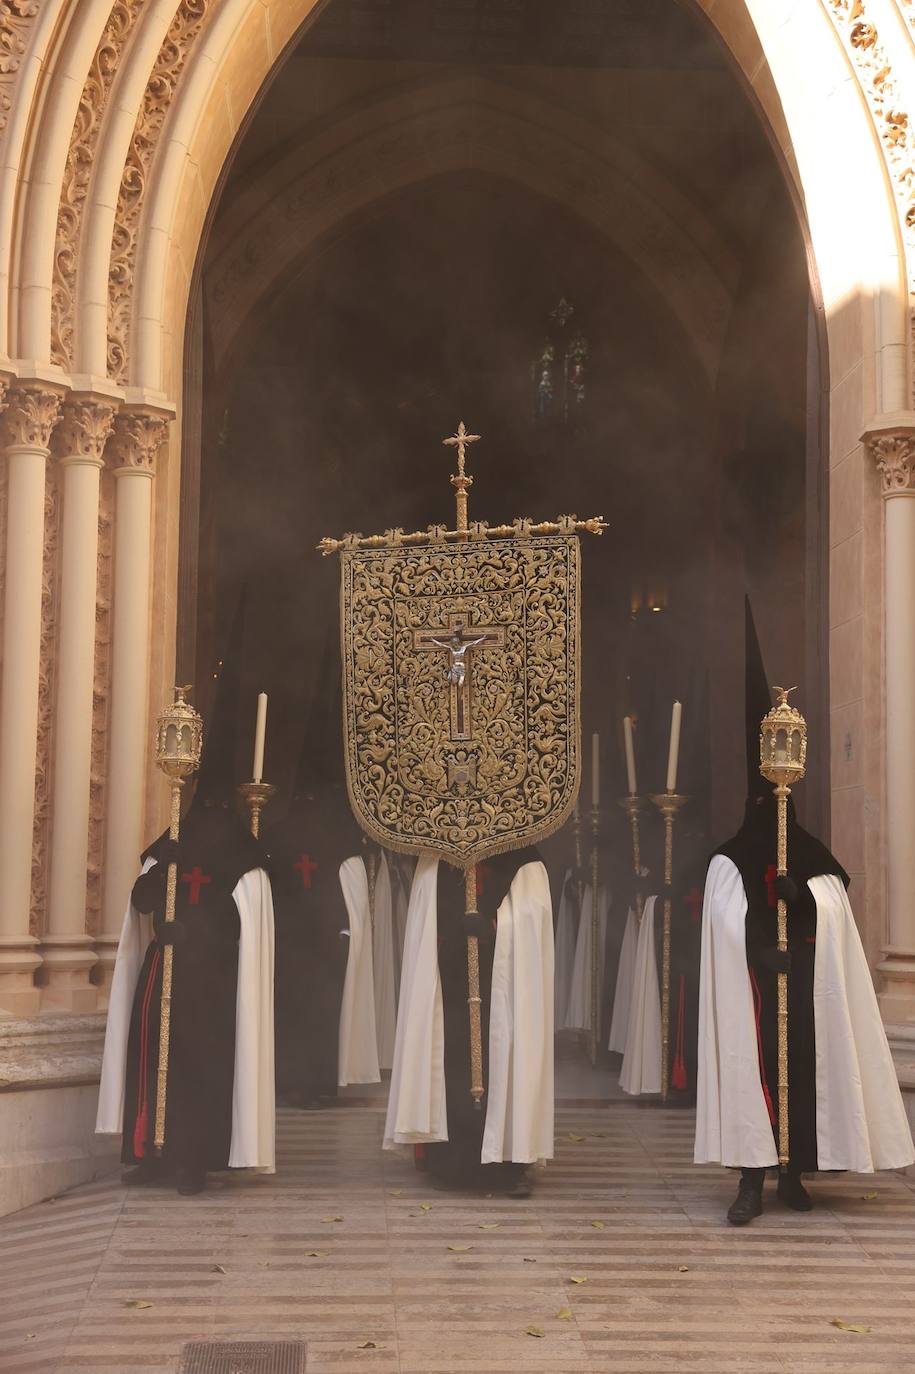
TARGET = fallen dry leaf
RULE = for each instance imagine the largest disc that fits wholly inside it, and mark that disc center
(576, 1138)
(331, 1218)
(265, 1264)
(564, 1314)
(850, 1326)
(137, 1302)
(682, 1268)
(371, 1345)
(529, 1260)
(317, 1254)
(30, 1335)
(869, 1197)
(395, 1192)
(534, 1331)
(598, 1225)
(578, 1278)
(218, 1269)
(490, 1225)
(460, 1248)
(425, 1206)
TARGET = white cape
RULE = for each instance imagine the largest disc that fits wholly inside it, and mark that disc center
(625, 979)
(519, 1096)
(253, 1099)
(578, 1013)
(641, 1068)
(383, 964)
(861, 1121)
(357, 1057)
(566, 936)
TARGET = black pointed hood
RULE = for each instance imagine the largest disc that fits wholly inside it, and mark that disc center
(754, 847)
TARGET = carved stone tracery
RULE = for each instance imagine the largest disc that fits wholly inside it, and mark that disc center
(31, 413)
(185, 28)
(886, 100)
(84, 430)
(16, 17)
(136, 441)
(78, 172)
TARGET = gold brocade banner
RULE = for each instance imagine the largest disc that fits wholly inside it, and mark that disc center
(461, 692)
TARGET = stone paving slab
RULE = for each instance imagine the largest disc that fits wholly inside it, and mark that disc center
(668, 1286)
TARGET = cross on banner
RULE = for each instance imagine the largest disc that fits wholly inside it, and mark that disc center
(460, 645)
(196, 879)
(306, 866)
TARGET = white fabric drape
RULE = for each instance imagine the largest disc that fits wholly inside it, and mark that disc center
(519, 1106)
(416, 1102)
(861, 1122)
(578, 1012)
(625, 981)
(383, 965)
(357, 1058)
(519, 1100)
(566, 937)
(253, 1108)
(640, 1072)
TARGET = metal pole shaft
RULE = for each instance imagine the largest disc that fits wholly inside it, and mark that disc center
(636, 859)
(595, 936)
(665, 956)
(473, 990)
(781, 794)
(167, 967)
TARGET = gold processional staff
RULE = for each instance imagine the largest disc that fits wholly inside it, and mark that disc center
(179, 740)
(783, 762)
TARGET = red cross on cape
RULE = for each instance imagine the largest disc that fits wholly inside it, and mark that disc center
(196, 880)
(306, 866)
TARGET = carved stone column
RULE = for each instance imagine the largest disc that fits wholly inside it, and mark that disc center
(79, 442)
(30, 416)
(894, 453)
(138, 436)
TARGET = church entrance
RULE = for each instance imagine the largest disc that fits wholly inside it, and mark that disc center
(565, 226)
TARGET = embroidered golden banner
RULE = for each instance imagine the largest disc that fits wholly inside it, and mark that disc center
(461, 692)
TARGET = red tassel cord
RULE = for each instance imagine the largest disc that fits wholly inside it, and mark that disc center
(141, 1124)
(757, 1011)
(678, 1077)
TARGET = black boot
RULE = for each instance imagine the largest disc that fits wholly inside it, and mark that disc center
(792, 1192)
(190, 1181)
(149, 1170)
(517, 1182)
(748, 1202)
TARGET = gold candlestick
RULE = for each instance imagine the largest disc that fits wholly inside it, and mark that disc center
(256, 795)
(633, 805)
(783, 761)
(473, 990)
(371, 877)
(668, 803)
(595, 935)
(179, 740)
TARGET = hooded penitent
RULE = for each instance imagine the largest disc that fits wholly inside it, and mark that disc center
(223, 937)
(845, 1111)
(306, 850)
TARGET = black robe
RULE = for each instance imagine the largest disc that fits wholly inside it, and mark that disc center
(754, 852)
(306, 850)
(459, 1156)
(215, 852)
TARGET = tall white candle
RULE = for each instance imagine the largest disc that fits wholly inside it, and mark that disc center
(630, 755)
(595, 770)
(260, 734)
(674, 754)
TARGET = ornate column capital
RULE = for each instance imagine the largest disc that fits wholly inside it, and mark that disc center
(84, 430)
(894, 456)
(138, 437)
(32, 411)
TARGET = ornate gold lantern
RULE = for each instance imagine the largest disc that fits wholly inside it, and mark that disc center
(179, 741)
(783, 762)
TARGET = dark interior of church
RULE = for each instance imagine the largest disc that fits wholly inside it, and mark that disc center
(458, 293)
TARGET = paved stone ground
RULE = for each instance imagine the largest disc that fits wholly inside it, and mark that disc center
(669, 1286)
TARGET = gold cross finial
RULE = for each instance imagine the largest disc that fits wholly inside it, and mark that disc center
(461, 439)
(461, 481)
(783, 693)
